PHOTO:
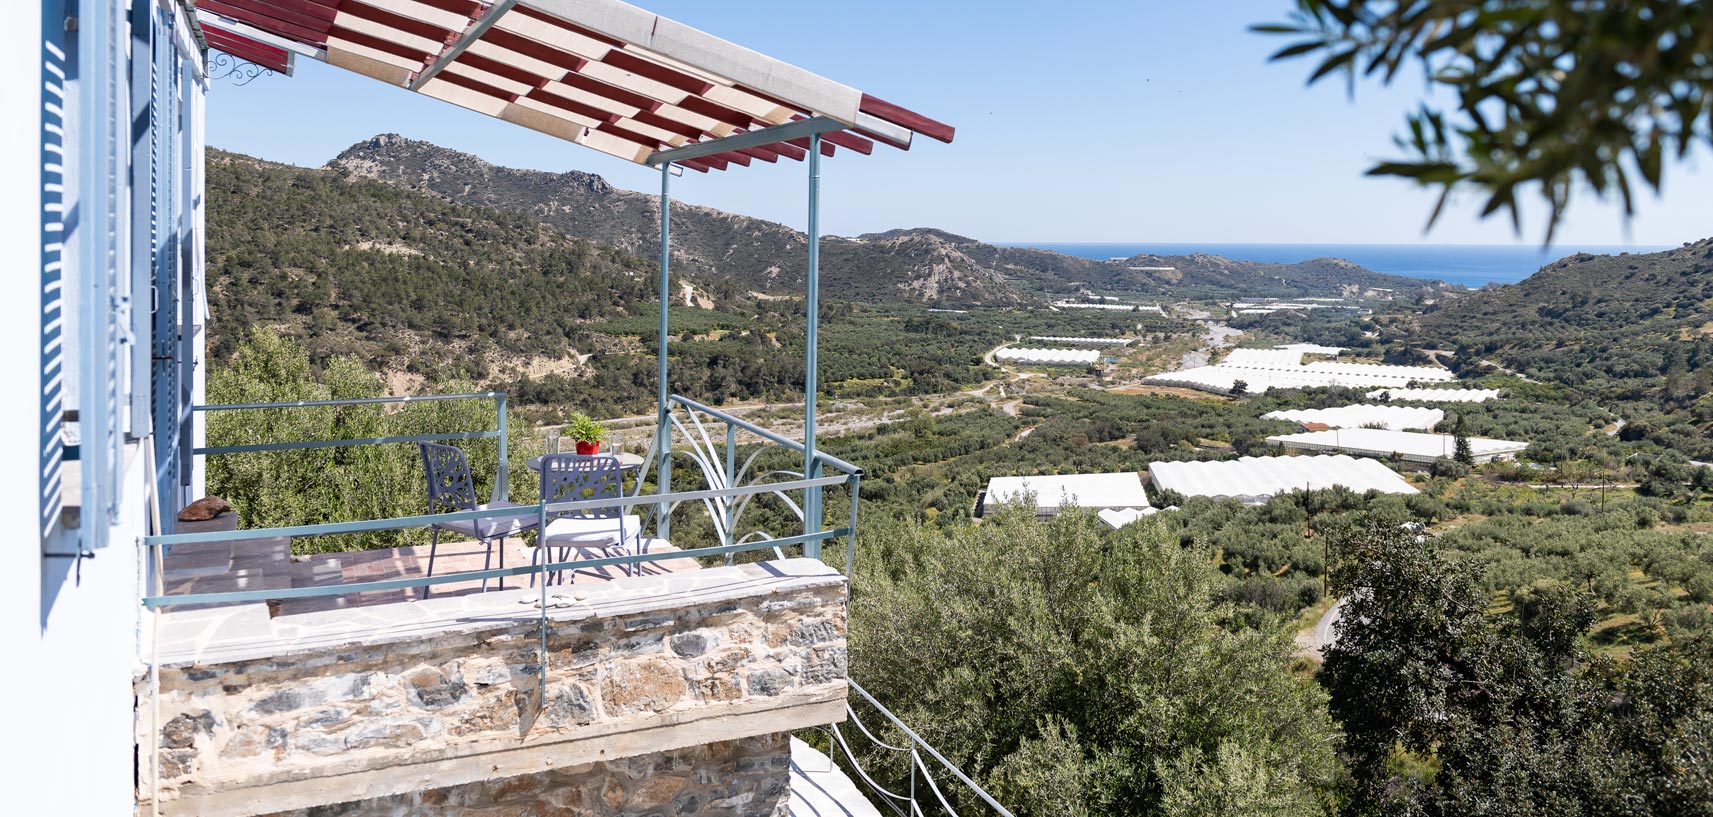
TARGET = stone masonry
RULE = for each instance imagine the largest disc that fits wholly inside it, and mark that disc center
(725, 779)
(434, 707)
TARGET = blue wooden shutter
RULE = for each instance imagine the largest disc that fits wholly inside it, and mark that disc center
(53, 264)
(100, 63)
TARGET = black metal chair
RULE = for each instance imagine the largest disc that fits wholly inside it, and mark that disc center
(606, 530)
(450, 488)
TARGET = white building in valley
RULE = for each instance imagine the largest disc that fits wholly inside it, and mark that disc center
(1254, 480)
(1395, 418)
(1410, 446)
(1283, 367)
(1030, 356)
(1407, 395)
(1050, 492)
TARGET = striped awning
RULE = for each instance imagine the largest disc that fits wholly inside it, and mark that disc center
(600, 73)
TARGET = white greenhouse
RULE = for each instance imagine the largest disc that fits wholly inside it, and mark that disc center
(1048, 357)
(1435, 395)
(1097, 492)
(1396, 418)
(1254, 480)
(1409, 446)
(1085, 341)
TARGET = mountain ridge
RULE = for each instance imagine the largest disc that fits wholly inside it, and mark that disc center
(721, 250)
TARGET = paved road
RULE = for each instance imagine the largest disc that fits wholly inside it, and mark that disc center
(1324, 636)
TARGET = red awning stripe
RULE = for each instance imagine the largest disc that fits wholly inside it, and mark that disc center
(763, 154)
(498, 68)
(657, 72)
(594, 86)
(664, 123)
(714, 110)
(378, 43)
(356, 8)
(244, 48)
(477, 86)
(789, 151)
(568, 26)
(846, 139)
(266, 22)
(803, 142)
(906, 118)
(646, 141)
(468, 8)
(572, 105)
(534, 49)
(736, 157)
(301, 12)
(882, 139)
(694, 165)
(773, 100)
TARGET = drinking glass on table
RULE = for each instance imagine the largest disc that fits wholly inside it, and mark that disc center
(552, 437)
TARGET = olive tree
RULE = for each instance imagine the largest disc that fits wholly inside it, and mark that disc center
(1545, 94)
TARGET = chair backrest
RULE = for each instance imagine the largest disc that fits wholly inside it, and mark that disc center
(449, 483)
(573, 477)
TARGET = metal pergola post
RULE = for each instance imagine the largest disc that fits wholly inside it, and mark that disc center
(812, 463)
(663, 428)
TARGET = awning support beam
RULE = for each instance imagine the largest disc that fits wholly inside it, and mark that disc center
(663, 407)
(465, 40)
(811, 374)
(813, 127)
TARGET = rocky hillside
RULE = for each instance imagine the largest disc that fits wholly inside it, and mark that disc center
(427, 291)
(726, 253)
(1623, 327)
(722, 254)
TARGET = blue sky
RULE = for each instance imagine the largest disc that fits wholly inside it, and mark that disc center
(1138, 121)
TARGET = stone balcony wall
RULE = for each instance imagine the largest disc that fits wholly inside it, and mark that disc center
(385, 705)
(733, 778)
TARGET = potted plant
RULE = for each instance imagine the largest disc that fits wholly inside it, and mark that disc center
(586, 432)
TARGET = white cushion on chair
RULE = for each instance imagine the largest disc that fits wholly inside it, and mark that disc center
(492, 527)
(569, 531)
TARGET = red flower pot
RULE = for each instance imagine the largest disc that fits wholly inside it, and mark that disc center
(588, 449)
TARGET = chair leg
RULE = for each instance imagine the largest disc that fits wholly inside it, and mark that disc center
(487, 560)
(502, 580)
(433, 545)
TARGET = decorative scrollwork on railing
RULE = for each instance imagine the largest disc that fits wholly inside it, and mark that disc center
(222, 65)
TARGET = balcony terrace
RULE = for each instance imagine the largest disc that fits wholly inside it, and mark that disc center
(298, 681)
(666, 673)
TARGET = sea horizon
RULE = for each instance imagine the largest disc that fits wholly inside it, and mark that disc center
(1471, 265)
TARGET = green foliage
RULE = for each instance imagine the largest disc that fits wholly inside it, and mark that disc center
(1506, 716)
(335, 484)
(1078, 670)
(1462, 453)
(1632, 333)
(1555, 94)
(583, 428)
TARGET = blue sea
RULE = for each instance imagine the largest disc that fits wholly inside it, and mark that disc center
(1471, 265)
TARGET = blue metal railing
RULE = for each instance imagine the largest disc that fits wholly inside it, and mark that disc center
(909, 803)
(501, 481)
(724, 495)
(724, 470)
